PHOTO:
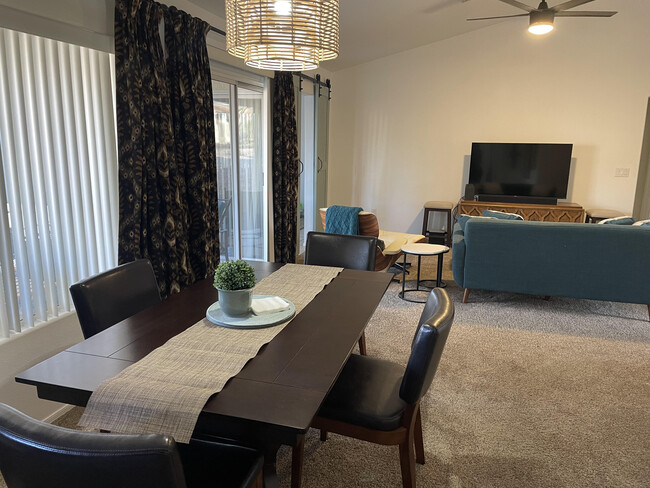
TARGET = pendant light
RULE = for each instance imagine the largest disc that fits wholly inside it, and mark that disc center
(283, 35)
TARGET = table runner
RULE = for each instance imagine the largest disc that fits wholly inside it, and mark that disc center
(166, 390)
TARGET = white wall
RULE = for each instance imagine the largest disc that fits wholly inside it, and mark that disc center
(401, 127)
(27, 349)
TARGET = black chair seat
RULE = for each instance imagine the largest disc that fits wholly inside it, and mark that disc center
(367, 394)
(211, 464)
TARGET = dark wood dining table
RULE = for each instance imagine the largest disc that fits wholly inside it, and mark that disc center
(273, 400)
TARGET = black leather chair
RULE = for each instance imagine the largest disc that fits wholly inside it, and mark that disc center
(343, 251)
(112, 296)
(379, 401)
(34, 454)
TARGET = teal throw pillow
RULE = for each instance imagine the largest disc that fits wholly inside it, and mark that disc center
(643, 223)
(462, 219)
(624, 220)
(501, 215)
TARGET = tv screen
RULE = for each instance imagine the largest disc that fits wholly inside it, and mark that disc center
(520, 169)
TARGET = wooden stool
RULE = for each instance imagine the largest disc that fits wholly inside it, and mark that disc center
(434, 206)
(595, 215)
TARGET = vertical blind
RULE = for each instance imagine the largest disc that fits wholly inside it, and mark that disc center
(58, 174)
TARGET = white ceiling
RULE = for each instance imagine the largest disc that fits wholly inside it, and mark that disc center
(371, 29)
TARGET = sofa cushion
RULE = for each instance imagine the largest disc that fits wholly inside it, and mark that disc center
(622, 220)
(462, 219)
(501, 215)
(643, 223)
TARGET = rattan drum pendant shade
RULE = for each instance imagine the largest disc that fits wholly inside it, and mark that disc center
(283, 35)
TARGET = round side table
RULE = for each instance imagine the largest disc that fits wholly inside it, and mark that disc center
(419, 250)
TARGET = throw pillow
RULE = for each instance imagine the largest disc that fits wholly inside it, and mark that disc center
(642, 223)
(623, 220)
(501, 215)
(462, 219)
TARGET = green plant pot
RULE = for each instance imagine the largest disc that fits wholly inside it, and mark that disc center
(235, 303)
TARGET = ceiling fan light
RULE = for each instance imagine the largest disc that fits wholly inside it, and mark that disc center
(283, 35)
(540, 29)
(541, 22)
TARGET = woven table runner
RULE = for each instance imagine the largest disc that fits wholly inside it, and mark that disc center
(166, 390)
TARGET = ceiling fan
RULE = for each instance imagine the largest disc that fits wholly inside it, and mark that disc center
(541, 18)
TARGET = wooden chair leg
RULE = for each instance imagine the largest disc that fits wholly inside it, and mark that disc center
(323, 435)
(466, 295)
(297, 454)
(259, 481)
(362, 344)
(419, 441)
(407, 462)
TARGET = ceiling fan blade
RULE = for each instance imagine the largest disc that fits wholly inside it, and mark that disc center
(501, 17)
(577, 13)
(514, 3)
(569, 4)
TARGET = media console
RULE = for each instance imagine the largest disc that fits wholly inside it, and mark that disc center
(561, 212)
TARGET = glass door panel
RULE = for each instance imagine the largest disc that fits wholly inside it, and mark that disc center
(241, 163)
(251, 174)
(225, 168)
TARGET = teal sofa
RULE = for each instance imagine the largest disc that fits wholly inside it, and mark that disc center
(595, 261)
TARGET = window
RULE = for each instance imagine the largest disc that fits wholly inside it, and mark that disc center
(240, 131)
(58, 174)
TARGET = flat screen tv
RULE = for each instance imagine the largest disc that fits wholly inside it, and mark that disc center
(520, 170)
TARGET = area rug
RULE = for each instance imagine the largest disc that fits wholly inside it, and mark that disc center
(529, 393)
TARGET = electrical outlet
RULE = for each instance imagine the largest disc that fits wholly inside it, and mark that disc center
(622, 172)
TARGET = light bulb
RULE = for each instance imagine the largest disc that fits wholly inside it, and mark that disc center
(282, 7)
(540, 29)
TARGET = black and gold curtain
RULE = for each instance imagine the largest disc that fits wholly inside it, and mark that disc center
(166, 146)
(286, 171)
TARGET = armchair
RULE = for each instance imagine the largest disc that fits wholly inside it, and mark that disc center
(393, 241)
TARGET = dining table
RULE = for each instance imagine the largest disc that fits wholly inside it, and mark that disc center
(272, 401)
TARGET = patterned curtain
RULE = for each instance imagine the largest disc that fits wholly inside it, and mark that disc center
(285, 168)
(166, 147)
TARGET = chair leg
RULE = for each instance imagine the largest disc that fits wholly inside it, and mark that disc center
(323, 435)
(362, 344)
(407, 462)
(466, 295)
(297, 454)
(419, 441)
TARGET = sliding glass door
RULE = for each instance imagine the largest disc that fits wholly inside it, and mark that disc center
(312, 118)
(241, 167)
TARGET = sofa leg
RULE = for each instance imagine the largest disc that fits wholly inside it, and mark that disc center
(547, 297)
(466, 295)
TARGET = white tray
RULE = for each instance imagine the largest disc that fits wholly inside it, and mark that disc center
(250, 321)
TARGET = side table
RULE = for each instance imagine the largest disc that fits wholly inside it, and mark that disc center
(419, 250)
(434, 206)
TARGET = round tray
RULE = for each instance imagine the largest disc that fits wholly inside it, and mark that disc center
(250, 321)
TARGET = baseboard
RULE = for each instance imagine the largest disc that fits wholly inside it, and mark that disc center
(58, 414)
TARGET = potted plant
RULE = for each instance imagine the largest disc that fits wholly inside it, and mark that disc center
(235, 281)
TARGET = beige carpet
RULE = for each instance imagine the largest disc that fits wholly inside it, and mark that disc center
(529, 393)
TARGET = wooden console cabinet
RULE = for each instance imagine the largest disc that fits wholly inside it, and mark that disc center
(562, 212)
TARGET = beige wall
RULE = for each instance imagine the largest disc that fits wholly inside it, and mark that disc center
(27, 349)
(401, 127)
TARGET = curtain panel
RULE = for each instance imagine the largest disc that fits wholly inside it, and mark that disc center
(285, 168)
(166, 147)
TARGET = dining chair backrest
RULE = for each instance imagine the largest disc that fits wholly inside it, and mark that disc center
(35, 454)
(345, 251)
(112, 296)
(428, 344)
